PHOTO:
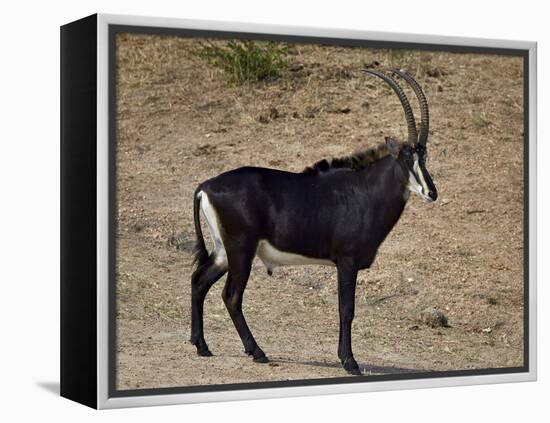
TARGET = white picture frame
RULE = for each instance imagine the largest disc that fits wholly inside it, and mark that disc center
(100, 394)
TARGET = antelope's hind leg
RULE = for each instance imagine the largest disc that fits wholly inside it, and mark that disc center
(240, 257)
(202, 280)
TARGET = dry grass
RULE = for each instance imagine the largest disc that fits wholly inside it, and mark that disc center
(180, 123)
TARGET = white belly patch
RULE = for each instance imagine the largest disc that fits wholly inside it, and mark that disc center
(272, 257)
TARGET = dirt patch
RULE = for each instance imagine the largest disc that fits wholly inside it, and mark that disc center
(179, 123)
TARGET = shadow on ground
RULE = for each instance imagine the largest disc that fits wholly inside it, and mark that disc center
(365, 368)
(51, 387)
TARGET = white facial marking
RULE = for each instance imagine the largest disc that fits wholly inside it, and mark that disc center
(421, 189)
(420, 174)
(272, 257)
(413, 184)
(214, 229)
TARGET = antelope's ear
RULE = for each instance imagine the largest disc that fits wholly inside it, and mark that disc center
(393, 146)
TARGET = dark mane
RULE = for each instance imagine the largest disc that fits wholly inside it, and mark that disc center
(356, 161)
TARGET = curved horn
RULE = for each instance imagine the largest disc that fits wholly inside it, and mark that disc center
(424, 112)
(411, 125)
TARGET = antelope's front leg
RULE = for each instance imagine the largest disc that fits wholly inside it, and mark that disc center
(347, 278)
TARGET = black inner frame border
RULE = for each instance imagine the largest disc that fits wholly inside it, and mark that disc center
(114, 29)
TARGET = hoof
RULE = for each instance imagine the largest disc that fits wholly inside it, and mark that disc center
(202, 348)
(355, 372)
(204, 353)
(350, 365)
(258, 354)
(261, 359)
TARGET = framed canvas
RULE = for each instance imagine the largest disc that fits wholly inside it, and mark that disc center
(253, 211)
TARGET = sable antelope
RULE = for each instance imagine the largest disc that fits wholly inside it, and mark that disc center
(335, 213)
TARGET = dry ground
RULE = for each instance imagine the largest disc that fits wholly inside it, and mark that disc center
(179, 123)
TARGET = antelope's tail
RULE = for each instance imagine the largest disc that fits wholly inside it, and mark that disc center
(200, 253)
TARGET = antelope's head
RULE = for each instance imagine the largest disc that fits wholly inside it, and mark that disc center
(413, 153)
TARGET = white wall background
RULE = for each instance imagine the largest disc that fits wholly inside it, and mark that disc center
(29, 235)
